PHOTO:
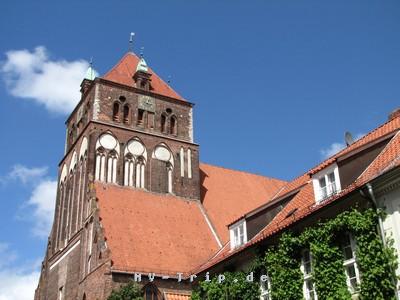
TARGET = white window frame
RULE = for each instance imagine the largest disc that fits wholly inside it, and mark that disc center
(265, 287)
(307, 277)
(351, 262)
(330, 188)
(237, 231)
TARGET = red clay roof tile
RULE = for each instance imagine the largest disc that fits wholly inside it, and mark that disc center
(124, 70)
(149, 232)
(228, 194)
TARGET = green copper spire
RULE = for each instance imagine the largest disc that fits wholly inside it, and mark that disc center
(90, 73)
(142, 66)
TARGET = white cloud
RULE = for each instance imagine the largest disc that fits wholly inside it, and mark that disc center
(52, 83)
(42, 200)
(27, 174)
(336, 147)
(16, 283)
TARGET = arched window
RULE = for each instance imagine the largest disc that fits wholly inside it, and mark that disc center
(164, 166)
(151, 292)
(112, 160)
(163, 123)
(172, 127)
(100, 164)
(140, 172)
(116, 112)
(170, 177)
(126, 114)
(107, 152)
(129, 170)
(135, 162)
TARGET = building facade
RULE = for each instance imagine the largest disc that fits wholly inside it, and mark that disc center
(134, 202)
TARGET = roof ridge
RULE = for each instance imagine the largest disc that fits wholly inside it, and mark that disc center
(245, 172)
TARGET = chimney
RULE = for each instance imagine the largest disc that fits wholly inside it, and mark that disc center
(394, 114)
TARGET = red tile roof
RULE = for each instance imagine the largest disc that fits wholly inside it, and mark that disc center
(149, 232)
(124, 70)
(303, 204)
(228, 194)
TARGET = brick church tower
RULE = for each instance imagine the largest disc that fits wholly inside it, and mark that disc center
(132, 196)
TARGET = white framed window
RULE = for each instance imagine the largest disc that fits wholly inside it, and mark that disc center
(309, 291)
(350, 263)
(265, 287)
(238, 234)
(326, 183)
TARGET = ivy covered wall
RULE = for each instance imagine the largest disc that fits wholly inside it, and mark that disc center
(282, 263)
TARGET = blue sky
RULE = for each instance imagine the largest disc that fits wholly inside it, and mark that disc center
(276, 84)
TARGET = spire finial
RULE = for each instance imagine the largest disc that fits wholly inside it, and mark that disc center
(141, 51)
(91, 61)
(131, 41)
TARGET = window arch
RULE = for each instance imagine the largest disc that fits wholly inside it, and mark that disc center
(112, 160)
(140, 172)
(126, 118)
(163, 123)
(135, 163)
(107, 152)
(165, 167)
(173, 125)
(116, 112)
(100, 164)
(151, 292)
(129, 170)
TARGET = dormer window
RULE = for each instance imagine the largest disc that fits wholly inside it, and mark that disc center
(238, 234)
(326, 183)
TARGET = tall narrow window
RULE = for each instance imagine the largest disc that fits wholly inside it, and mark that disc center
(172, 128)
(151, 293)
(163, 123)
(61, 293)
(126, 114)
(100, 164)
(170, 177)
(189, 163)
(350, 264)
(140, 118)
(112, 167)
(308, 286)
(150, 120)
(116, 112)
(182, 161)
(129, 170)
(140, 172)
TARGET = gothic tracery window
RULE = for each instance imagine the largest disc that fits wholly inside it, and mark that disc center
(135, 164)
(107, 152)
